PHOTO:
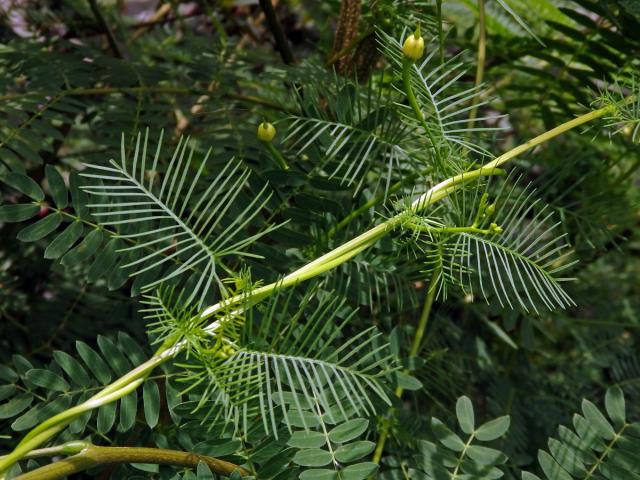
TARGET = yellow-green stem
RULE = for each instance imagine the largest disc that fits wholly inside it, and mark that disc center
(276, 155)
(407, 63)
(424, 316)
(376, 200)
(91, 456)
(48, 428)
(415, 348)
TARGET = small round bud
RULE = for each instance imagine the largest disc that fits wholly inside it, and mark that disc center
(225, 352)
(490, 209)
(495, 228)
(413, 47)
(266, 132)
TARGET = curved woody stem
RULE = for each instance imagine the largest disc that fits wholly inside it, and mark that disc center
(86, 456)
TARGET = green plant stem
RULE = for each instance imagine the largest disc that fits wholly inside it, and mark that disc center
(57, 423)
(277, 156)
(426, 228)
(454, 475)
(440, 30)
(341, 254)
(413, 351)
(554, 132)
(91, 456)
(409, 179)
(69, 448)
(278, 34)
(106, 29)
(407, 64)
(482, 53)
(382, 440)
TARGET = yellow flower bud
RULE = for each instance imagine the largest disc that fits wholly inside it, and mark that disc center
(413, 47)
(495, 228)
(266, 131)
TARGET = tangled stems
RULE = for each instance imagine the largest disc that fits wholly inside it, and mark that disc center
(330, 260)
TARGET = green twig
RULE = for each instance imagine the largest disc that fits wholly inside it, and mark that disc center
(277, 156)
(106, 29)
(282, 43)
(440, 30)
(407, 64)
(413, 352)
(407, 180)
(86, 456)
(482, 53)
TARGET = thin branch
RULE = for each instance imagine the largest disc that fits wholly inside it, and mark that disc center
(482, 53)
(91, 456)
(432, 288)
(113, 44)
(407, 180)
(282, 43)
(440, 30)
(348, 48)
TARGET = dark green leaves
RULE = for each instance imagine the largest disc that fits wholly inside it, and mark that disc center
(339, 450)
(18, 212)
(151, 401)
(304, 439)
(14, 406)
(354, 451)
(94, 362)
(72, 368)
(84, 249)
(57, 187)
(24, 184)
(64, 241)
(69, 380)
(408, 382)
(41, 228)
(615, 405)
(47, 380)
(597, 420)
(446, 436)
